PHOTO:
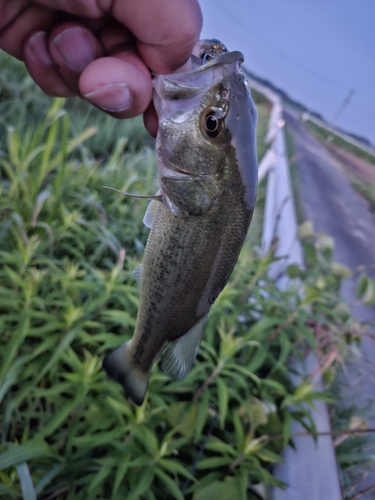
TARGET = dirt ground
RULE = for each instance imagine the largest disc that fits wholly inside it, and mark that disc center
(356, 166)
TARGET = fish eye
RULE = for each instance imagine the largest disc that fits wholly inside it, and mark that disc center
(212, 124)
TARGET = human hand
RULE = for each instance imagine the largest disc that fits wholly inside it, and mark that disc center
(101, 50)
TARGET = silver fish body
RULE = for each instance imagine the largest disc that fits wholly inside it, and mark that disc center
(208, 176)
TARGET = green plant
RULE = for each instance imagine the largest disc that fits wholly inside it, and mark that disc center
(322, 134)
(67, 295)
(24, 105)
(354, 451)
(366, 189)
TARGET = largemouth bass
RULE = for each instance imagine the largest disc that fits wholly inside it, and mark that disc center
(207, 166)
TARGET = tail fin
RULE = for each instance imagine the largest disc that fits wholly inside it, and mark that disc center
(119, 367)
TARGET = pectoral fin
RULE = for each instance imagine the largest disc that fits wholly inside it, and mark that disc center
(179, 356)
(137, 274)
(149, 216)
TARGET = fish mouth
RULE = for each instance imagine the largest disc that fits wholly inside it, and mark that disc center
(185, 85)
(167, 171)
(220, 60)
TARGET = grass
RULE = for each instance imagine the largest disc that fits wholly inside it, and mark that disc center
(24, 105)
(263, 109)
(365, 189)
(322, 134)
(67, 295)
(353, 453)
(263, 115)
(293, 170)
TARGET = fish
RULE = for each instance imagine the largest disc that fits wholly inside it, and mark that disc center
(199, 218)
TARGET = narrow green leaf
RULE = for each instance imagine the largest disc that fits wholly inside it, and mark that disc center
(140, 461)
(99, 478)
(6, 491)
(223, 398)
(215, 444)
(274, 385)
(245, 371)
(26, 483)
(148, 439)
(239, 431)
(174, 466)
(15, 343)
(286, 347)
(242, 480)
(261, 327)
(121, 471)
(269, 456)
(121, 317)
(10, 378)
(99, 438)
(170, 484)
(58, 419)
(257, 361)
(144, 483)
(48, 477)
(212, 463)
(219, 490)
(202, 415)
(64, 344)
(25, 452)
(311, 295)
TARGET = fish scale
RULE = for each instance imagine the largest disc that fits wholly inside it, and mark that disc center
(208, 174)
(181, 290)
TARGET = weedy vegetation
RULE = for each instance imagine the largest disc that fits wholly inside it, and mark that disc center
(323, 134)
(354, 451)
(67, 295)
(365, 189)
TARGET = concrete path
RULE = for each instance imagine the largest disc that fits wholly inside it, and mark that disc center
(328, 199)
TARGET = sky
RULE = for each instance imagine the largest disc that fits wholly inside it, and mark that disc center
(315, 50)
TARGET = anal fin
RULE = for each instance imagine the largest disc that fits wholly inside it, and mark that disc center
(178, 358)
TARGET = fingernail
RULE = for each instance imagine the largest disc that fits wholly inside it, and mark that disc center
(76, 48)
(113, 97)
(38, 46)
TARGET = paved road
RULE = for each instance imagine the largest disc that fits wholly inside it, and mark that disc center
(328, 199)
